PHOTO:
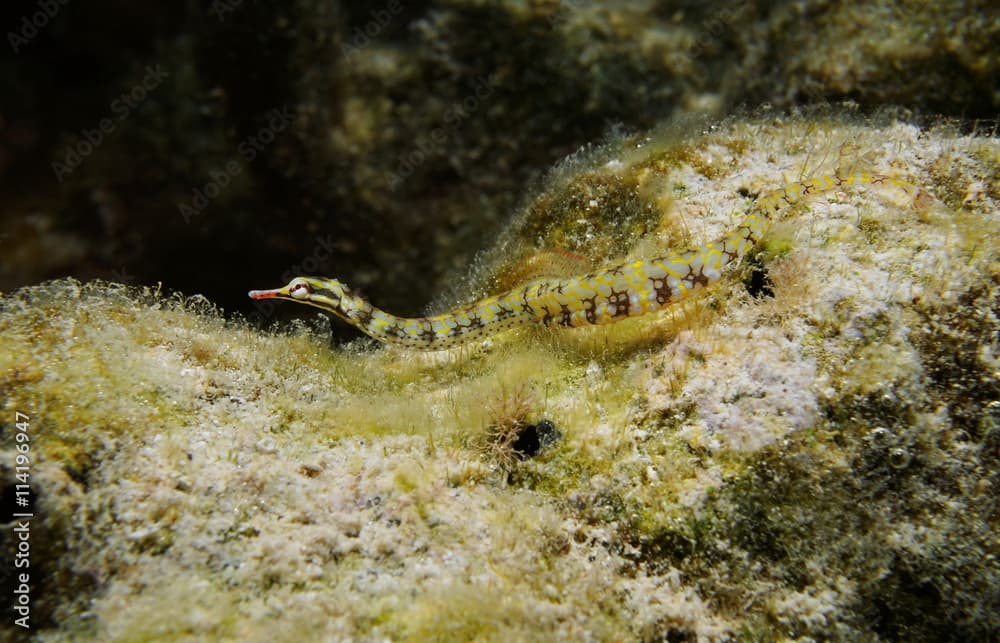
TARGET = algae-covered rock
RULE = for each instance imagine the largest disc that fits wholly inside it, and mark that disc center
(807, 451)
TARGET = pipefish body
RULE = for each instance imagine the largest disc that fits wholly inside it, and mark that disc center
(601, 297)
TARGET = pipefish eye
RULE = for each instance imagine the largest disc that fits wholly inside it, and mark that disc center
(299, 290)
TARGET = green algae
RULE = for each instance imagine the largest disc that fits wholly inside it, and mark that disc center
(817, 462)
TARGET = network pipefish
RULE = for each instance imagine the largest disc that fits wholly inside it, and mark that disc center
(601, 297)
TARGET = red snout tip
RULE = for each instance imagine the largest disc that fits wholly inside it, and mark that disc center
(262, 294)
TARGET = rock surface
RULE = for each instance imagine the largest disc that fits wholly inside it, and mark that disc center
(808, 451)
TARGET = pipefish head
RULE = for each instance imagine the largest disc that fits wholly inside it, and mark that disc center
(329, 294)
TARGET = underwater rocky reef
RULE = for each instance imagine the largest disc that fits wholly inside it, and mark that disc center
(807, 451)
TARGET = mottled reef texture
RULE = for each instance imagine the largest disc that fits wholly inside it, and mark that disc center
(807, 452)
(418, 126)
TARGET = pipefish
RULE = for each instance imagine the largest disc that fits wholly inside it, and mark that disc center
(601, 297)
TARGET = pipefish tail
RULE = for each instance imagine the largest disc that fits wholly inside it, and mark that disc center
(601, 297)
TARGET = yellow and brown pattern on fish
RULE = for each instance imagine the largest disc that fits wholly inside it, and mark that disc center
(601, 297)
